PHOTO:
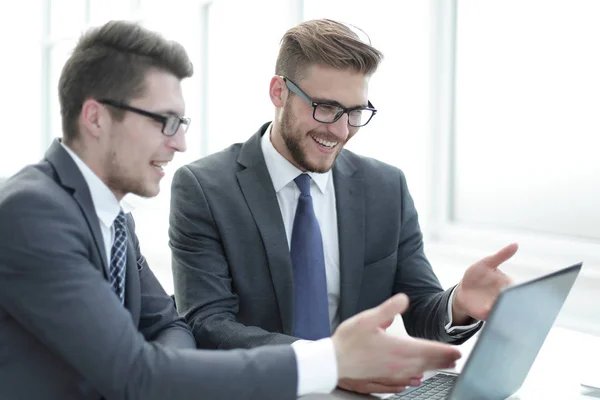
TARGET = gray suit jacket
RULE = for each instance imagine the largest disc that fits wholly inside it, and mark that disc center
(65, 335)
(231, 263)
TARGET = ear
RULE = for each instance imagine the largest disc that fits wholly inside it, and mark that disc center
(93, 118)
(278, 91)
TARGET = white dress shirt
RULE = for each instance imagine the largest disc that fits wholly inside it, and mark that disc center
(322, 191)
(311, 357)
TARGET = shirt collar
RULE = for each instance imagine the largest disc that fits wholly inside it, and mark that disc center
(281, 170)
(105, 203)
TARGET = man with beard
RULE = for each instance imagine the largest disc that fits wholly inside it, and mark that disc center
(281, 238)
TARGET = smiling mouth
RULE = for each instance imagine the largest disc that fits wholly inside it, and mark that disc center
(324, 143)
(159, 164)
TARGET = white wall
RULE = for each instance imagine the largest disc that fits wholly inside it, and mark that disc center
(520, 115)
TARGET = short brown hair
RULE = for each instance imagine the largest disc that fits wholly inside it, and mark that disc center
(111, 61)
(324, 42)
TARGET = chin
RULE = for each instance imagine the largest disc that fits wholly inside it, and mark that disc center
(152, 192)
(147, 191)
(320, 166)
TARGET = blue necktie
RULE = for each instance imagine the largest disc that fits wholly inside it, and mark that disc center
(118, 257)
(311, 310)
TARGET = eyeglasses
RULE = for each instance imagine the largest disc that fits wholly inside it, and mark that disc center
(328, 113)
(170, 123)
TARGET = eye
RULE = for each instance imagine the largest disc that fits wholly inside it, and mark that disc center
(171, 124)
(328, 109)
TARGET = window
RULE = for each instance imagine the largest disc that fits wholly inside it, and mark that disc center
(47, 34)
(399, 89)
(488, 107)
(518, 125)
(20, 79)
(514, 141)
(527, 101)
(240, 63)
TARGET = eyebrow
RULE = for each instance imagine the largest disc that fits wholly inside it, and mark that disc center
(169, 112)
(337, 103)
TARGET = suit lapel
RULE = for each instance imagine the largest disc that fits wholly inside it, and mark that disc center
(350, 204)
(72, 178)
(255, 183)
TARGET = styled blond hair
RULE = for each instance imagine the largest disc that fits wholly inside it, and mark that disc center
(324, 42)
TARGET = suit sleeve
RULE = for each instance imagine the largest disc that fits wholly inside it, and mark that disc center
(203, 283)
(49, 286)
(428, 308)
(159, 320)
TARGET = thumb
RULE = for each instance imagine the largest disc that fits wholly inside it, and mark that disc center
(387, 311)
(501, 256)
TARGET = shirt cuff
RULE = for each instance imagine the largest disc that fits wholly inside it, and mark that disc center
(317, 366)
(460, 329)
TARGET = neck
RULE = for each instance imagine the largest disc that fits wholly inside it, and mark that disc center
(94, 163)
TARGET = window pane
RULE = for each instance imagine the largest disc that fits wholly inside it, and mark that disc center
(102, 11)
(399, 89)
(20, 80)
(527, 121)
(241, 61)
(67, 17)
(58, 56)
(179, 21)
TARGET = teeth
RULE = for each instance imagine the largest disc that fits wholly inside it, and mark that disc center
(159, 164)
(324, 142)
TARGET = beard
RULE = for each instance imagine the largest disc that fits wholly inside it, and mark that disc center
(121, 181)
(293, 142)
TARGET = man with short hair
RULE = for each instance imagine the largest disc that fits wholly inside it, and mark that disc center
(285, 236)
(81, 314)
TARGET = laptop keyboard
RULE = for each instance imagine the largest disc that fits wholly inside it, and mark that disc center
(435, 388)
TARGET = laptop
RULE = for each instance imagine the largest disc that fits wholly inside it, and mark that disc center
(590, 383)
(508, 344)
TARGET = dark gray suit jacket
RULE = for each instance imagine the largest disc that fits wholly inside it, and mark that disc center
(231, 262)
(65, 335)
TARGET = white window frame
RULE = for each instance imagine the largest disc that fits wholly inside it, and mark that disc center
(49, 41)
(539, 253)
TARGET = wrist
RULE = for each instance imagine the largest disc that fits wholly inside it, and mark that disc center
(342, 369)
(459, 315)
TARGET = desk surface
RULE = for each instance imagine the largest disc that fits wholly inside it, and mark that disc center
(564, 359)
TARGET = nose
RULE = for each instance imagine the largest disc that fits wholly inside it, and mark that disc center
(340, 128)
(177, 141)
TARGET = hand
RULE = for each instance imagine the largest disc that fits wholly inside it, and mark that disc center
(365, 351)
(477, 291)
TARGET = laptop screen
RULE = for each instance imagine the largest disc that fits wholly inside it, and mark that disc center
(512, 336)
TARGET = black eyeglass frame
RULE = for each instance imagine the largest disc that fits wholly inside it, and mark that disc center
(172, 121)
(296, 89)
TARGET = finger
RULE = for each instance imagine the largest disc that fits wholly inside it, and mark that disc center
(444, 364)
(387, 311)
(429, 349)
(501, 256)
(438, 355)
(419, 366)
(418, 357)
(387, 324)
(367, 387)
